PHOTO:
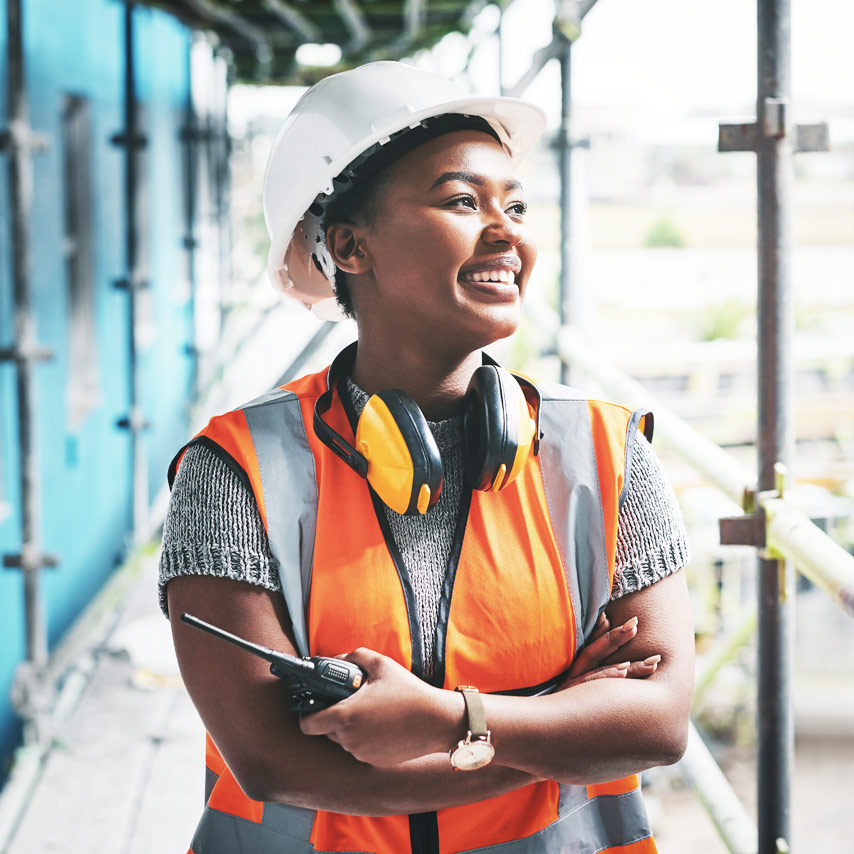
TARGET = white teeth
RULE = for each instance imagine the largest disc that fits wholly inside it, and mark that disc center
(507, 276)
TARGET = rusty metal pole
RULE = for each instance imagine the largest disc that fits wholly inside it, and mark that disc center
(775, 726)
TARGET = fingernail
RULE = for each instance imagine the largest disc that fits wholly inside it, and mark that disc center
(630, 624)
(653, 659)
(624, 665)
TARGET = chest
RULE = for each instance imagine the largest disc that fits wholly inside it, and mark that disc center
(506, 618)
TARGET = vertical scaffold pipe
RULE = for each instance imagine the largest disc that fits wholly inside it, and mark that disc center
(190, 139)
(133, 140)
(775, 730)
(25, 355)
(565, 168)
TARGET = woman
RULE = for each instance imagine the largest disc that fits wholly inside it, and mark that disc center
(491, 548)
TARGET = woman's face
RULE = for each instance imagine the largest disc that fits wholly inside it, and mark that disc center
(449, 249)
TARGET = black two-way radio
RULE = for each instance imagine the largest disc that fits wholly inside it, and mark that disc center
(314, 682)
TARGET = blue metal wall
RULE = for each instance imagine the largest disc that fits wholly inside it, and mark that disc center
(78, 48)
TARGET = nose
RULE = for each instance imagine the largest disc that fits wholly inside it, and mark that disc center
(501, 228)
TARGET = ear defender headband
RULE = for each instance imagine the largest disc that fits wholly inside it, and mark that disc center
(397, 454)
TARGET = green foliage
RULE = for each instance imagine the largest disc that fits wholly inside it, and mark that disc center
(723, 320)
(664, 232)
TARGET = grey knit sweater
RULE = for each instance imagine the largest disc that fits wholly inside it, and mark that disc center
(213, 527)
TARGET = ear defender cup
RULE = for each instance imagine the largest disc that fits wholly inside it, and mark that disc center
(498, 427)
(404, 465)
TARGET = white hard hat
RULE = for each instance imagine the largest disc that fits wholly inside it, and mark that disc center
(336, 121)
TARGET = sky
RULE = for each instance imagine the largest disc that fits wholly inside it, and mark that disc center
(683, 51)
(682, 56)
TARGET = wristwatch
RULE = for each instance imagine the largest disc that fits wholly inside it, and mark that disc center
(476, 749)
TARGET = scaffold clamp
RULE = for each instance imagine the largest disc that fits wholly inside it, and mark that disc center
(751, 529)
(29, 560)
(745, 530)
(123, 139)
(19, 136)
(135, 422)
(748, 136)
(32, 353)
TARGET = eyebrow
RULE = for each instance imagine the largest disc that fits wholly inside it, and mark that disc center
(471, 178)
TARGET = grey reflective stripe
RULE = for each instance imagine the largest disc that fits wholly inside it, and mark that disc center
(210, 781)
(289, 485)
(583, 827)
(634, 422)
(571, 482)
(293, 821)
(221, 833)
(606, 821)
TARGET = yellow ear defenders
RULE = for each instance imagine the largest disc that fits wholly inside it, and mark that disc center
(397, 454)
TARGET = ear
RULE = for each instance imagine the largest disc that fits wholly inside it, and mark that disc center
(347, 248)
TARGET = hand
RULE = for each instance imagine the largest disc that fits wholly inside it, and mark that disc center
(393, 717)
(603, 643)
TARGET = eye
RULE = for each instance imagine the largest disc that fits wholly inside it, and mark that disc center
(464, 201)
(518, 208)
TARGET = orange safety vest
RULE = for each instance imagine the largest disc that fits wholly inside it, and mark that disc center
(530, 572)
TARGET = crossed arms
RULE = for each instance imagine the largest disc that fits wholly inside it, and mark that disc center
(384, 751)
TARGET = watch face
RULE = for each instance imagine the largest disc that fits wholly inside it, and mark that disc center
(475, 754)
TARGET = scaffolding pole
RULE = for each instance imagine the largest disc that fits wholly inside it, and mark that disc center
(774, 138)
(190, 137)
(132, 141)
(565, 170)
(775, 720)
(567, 28)
(19, 143)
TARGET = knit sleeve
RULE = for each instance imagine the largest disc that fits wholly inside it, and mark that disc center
(651, 538)
(213, 527)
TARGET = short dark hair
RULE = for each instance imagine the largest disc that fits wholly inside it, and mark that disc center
(361, 203)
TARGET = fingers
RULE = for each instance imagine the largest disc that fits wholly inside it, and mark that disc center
(643, 669)
(609, 671)
(602, 626)
(318, 723)
(368, 659)
(627, 669)
(600, 648)
(623, 670)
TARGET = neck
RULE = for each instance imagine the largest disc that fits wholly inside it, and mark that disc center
(436, 382)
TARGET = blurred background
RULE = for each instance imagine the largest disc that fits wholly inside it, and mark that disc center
(134, 305)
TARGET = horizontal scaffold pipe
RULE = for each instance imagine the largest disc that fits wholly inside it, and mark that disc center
(711, 786)
(727, 474)
(791, 534)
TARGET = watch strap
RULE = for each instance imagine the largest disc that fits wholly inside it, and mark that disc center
(474, 711)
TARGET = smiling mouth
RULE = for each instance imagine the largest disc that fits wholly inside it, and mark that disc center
(507, 277)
